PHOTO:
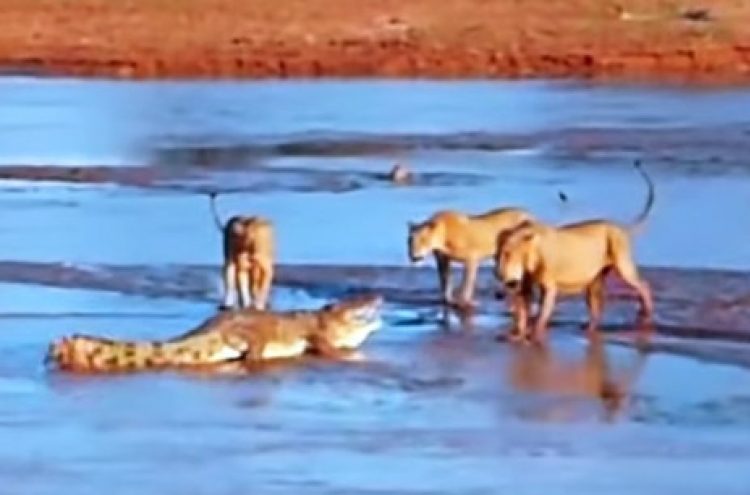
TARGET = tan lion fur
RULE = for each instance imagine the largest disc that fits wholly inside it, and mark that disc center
(570, 259)
(249, 255)
(453, 236)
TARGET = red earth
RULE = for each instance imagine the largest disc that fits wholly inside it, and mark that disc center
(621, 40)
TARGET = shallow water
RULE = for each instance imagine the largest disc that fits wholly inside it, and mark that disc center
(428, 410)
(423, 411)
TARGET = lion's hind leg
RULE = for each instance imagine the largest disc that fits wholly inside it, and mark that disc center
(444, 277)
(243, 281)
(624, 265)
(595, 302)
(229, 283)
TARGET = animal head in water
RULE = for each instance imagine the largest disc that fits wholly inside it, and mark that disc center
(347, 323)
(400, 174)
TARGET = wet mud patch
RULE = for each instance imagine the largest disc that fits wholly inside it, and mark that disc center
(230, 180)
(250, 167)
(694, 143)
(695, 151)
(191, 180)
(698, 304)
(124, 176)
(726, 412)
(714, 142)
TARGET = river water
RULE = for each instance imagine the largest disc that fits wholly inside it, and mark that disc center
(426, 410)
(485, 144)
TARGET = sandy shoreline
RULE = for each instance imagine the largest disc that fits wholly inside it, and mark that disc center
(625, 40)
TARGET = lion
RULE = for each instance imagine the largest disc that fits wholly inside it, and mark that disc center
(452, 236)
(249, 253)
(570, 259)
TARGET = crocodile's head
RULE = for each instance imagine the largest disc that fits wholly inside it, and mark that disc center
(347, 323)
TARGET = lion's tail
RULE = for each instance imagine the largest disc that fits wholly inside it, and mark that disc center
(637, 225)
(217, 219)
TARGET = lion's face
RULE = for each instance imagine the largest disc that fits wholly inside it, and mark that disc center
(423, 239)
(514, 258)
(400, 174)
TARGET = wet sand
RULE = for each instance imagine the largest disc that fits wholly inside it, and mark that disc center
(625, 39)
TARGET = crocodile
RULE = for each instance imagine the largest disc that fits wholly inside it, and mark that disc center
(246, 334)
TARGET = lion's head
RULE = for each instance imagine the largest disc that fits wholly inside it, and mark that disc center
(516, 254)
(424, 238)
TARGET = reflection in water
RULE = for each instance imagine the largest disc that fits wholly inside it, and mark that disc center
(464, 316)
(539, 370)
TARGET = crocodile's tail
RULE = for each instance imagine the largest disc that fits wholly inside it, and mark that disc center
(95, 354)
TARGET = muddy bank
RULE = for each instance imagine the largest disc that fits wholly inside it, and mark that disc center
(189, 177)
(686, 144)
(707, 304)
(627, 39)
(250, 166)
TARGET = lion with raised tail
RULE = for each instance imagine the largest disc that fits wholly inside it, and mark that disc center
(249, 253)
(571, 259)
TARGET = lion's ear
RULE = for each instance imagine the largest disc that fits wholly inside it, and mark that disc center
(411, 226)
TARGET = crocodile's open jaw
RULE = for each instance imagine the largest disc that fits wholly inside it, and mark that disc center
(358, 322)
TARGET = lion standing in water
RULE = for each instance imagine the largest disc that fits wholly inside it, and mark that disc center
(571, 259)
(452, 236)
(249, 252)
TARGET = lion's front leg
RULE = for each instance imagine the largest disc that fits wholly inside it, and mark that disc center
(444, 277)
(466, 296)
(243, 281)
(549, 299)
(229, 283)
(523, 301)
(262, 283)
(519, 303)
